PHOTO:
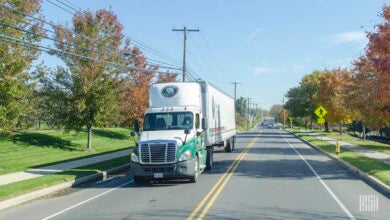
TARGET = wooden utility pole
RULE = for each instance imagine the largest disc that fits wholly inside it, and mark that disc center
(185, 30)
(235, 95)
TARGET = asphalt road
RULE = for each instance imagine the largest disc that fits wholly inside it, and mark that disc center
(270, 175)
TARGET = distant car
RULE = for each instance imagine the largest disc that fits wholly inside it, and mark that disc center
(270, 125)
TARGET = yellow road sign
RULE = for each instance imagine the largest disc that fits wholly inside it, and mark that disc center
(321, 121)
(320, 112)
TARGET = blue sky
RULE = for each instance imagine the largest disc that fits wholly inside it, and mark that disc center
(267, 46)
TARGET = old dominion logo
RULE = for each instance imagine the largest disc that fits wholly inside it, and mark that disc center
(169, 91)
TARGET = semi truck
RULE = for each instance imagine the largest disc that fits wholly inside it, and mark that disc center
(181, 127)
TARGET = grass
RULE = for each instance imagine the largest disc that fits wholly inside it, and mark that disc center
(373, 145)
(371, 166)
(23, 151)
(22, 187)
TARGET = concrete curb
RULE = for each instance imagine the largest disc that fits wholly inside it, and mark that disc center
(42, 192)
(371, 180)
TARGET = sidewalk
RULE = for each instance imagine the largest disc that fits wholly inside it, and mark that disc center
(385, 158)
(60, 167)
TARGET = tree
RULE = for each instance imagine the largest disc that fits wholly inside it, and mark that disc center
(361, 94)
(20, 32)
(330, 95)
(168, 77)
(92, 50)
(378, 57)
(275, 111)
(300, 103)
(134, 98)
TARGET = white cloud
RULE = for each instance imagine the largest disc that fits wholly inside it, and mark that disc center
(347, 37)
(253, 35)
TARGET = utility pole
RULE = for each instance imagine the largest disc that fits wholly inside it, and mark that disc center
(235, 97)
(247, 122)
(284, 115)
(185, 30)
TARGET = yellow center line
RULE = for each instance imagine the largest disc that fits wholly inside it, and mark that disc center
(218, 186)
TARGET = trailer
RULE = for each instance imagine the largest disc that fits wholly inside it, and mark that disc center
(181, 127)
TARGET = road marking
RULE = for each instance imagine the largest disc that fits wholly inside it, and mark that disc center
(85, 201)
(222, 181)
(322, 181)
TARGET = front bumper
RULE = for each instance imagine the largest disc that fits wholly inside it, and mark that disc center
(179, 170)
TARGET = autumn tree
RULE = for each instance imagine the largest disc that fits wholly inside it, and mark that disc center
(361, 95)
(330, 95)
(92, 49)
(378, 57)
(134, 98)
(19, 35)
(168, 77)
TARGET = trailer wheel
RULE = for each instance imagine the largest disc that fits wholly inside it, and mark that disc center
(194, 178)
(229, 145)
(209, 158)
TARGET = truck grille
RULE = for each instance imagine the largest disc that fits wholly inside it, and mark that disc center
(158, 153)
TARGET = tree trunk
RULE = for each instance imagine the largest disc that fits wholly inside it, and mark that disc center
(89, 144)
(364, 132)
(341, 128)
(326, 126)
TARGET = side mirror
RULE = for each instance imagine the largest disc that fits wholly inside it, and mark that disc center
(186, 131)
(133, 133)
(204, 123)
(136, 126)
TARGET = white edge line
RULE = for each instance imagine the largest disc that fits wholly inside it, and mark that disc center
(85, 201)
(322, 182)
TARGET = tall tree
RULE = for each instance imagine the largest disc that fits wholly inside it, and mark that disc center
(378, 56)
(134, 96)
(361, 94)
(19, 32)
(92, 50)
(330, 95)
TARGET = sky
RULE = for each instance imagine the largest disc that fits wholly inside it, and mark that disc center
(266, 46)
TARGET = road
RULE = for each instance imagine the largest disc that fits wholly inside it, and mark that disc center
(270, 175)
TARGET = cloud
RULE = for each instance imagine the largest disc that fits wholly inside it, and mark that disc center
(358, 37)
(253, 35)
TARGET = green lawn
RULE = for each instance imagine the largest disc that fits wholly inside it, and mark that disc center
(371, 166)
(32, 149)
(22, 187)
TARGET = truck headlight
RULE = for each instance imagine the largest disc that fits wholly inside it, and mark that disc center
(134, 157)
(187, 155)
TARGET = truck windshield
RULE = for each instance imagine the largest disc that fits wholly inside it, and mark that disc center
(168, 121)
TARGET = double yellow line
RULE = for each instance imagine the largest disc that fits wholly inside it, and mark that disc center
(220, 185)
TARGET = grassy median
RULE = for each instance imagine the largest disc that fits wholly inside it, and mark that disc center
(33, 149)
(371, 166)
(26, 186)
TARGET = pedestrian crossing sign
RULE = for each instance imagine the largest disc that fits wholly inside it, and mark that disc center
(320, 112)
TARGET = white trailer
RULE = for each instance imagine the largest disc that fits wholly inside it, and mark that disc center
(183, 123)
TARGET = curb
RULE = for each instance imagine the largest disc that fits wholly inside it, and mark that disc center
(370, 180)
(102, 175)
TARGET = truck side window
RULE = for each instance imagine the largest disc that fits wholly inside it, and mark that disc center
(197, 124)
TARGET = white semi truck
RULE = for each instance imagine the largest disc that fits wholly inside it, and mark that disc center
(181, 127)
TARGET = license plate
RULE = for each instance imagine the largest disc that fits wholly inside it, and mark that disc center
(158, 175)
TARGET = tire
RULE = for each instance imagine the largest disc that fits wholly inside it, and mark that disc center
(209, 158)
(233, 142)
(195, 176)
(139, 179)
(228, 147)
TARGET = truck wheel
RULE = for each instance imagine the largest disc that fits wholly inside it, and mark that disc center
(233, 142)
(229, 146)
(209, 158)
(194, 178)
(139, 179)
